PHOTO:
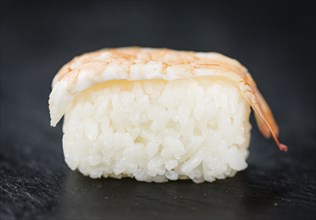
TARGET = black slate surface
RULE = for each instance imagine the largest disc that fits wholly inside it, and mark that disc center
(275, 40)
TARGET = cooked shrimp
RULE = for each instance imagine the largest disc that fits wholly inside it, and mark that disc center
(111, 64)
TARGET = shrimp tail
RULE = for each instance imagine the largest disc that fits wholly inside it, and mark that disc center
(264, 117)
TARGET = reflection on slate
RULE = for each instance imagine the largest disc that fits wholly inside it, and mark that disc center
(146, 200)
(276, 41)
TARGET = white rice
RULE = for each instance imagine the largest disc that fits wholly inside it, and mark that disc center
(158, 130)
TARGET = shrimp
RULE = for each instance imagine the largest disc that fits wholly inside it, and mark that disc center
(92, 68)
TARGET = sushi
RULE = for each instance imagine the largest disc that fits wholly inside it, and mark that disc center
(157, 114)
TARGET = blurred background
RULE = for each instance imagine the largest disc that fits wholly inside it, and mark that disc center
(276, 41)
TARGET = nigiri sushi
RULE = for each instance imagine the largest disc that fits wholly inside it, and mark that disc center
(157, 114)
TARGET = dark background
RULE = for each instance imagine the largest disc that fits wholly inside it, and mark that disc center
(275, 40)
